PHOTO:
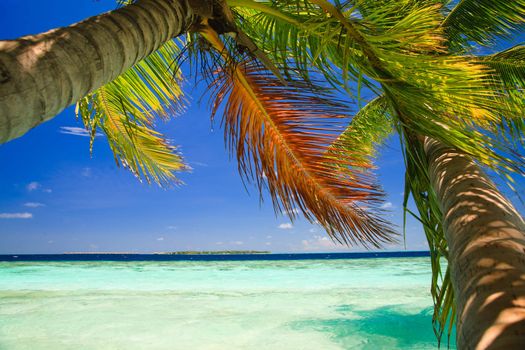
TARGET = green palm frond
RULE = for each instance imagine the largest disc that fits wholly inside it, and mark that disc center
(302, 36)
(509, 65)
(450, 98)
(417, 185)
(369, 128)
(458, 121)
(483, 21)
(509, 69)
(320, 35)
(407, 26)
(125, 110)
(394, 10)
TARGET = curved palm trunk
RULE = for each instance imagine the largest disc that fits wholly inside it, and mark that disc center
(42, 74)
(486, 238)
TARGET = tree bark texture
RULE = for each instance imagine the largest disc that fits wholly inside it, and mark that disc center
(42, 74)
(486, 238)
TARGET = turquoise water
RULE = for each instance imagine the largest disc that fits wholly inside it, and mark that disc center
(305, 304)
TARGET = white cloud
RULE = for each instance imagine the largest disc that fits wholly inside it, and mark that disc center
(321, 244)
(160, 239)
(171, 227)
(285, 226)
(34, 205)
(219, 243)
(16, 216)
(312, 230)
(74, 130)
(33, 186)
(268, 243)
(387, 205)
(268, 237)
(237, 242)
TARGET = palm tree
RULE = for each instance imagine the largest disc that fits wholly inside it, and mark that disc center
(451, 109)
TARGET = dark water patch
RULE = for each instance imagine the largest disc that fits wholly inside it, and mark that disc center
(382, 328)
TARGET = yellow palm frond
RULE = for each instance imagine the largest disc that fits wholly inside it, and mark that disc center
(126, 108)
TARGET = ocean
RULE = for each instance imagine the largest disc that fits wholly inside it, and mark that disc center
(328, 301)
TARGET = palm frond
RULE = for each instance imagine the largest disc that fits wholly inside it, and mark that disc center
(336, 39)
(393, 9)
(125, 110)
(409, 26)
(483, 21)
(509, 65)
(450, 98)
(302, 36)
(369, 128)
(280, 135)
(509, 77)
(417, 185)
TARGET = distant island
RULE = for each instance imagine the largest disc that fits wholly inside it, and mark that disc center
(189, 252)
(217, 252)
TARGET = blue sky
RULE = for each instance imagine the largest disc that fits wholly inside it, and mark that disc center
(55, 197)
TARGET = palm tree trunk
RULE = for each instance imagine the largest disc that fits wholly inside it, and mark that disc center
(42, 74)
(486, 238)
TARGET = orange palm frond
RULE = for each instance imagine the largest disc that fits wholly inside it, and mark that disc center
(280, 135)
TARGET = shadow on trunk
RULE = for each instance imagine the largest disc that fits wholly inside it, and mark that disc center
(486, 251)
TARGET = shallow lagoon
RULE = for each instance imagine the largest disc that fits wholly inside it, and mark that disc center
(294, 304)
